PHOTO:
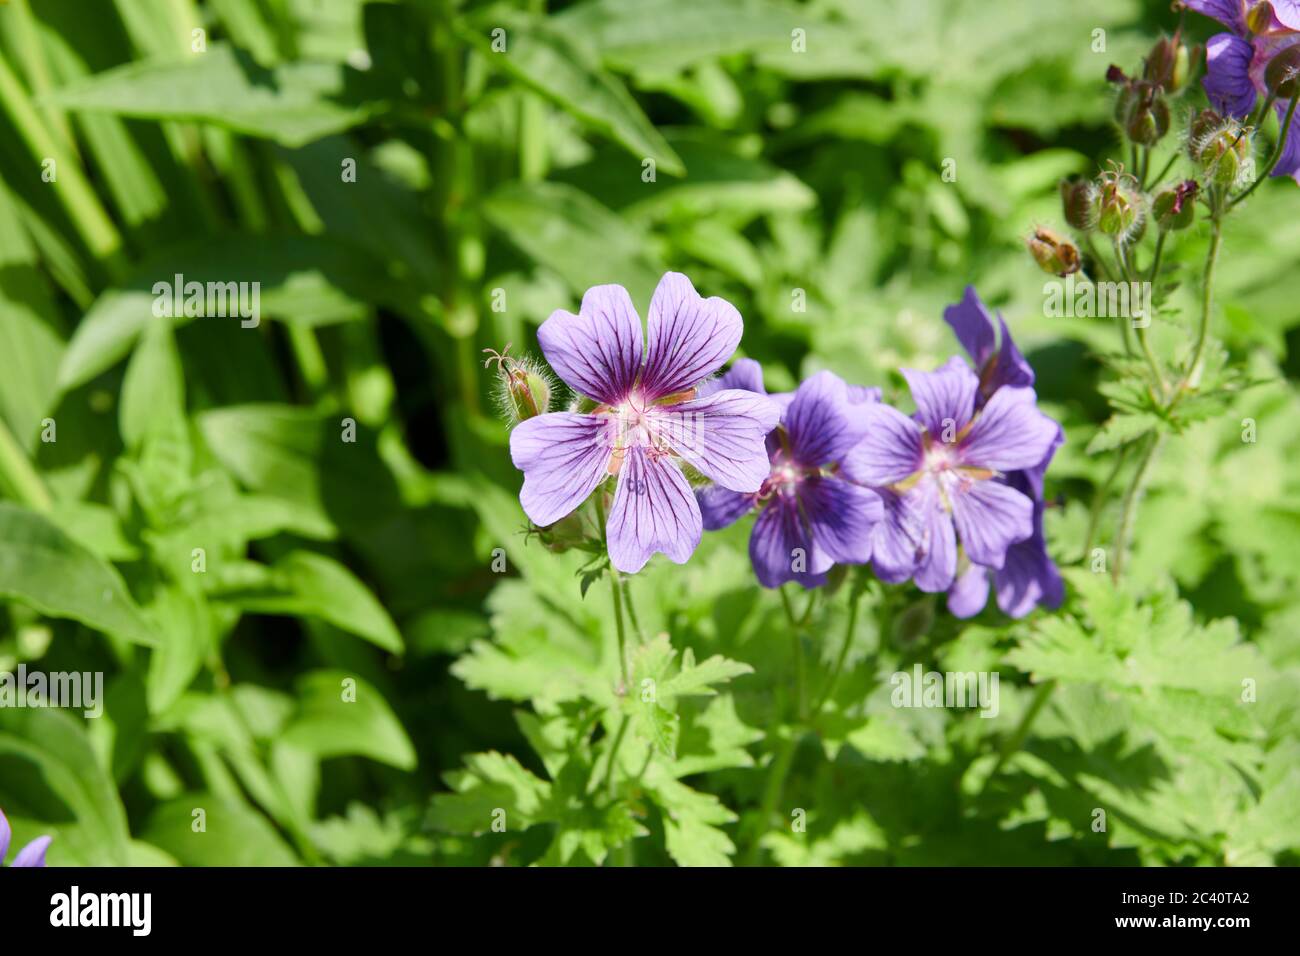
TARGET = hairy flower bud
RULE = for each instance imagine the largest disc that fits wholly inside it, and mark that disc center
(1222, 151)
(1204, 123)
(524, 387)
(1148, 122)
(1076, 203)
(1282, 75)
(1142, 112)
(1174, 207)
(1053, 254)
(1118, 206)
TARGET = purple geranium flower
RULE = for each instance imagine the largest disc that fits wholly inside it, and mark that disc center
(1235, 62)
(940, 471)
(1029, 576)
(647, 419)
(33, 854)
(810, 518)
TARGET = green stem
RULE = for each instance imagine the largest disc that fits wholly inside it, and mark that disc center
(18, 474)
(1207, 302)
(772, 793)
(1099, 501)
(1012, 745)
(71, 187)
(631, 612)
(1164, 171)
(1277, 152)
(1131, 498)
(855, 596)
(311, 360)
(797, 649)
(616, 585)
(613, 754)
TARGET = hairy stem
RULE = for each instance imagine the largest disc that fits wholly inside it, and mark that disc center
(1131, 497)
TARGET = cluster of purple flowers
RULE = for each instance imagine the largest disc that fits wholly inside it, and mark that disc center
(950, 497)
(1237, 62)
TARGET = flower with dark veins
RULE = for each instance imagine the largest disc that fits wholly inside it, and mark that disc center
(941, 474)
(646, 420)
(810, 519)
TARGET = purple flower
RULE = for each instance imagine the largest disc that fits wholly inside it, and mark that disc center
(1029, 576)
(647, 419)
(940, 472)
(33, 854)
(1236, 62)
(810, 518)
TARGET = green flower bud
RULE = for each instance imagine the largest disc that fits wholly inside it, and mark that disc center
(524, 387)
(1118, 206)
(1174, 207)
(1052, 253)
(1282, 75)
(1076, 203)
(1149, 121)
(1224, 154)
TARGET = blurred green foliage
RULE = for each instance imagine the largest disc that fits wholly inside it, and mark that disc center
(305, 635)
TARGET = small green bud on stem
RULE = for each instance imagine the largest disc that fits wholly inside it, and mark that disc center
(524, 389)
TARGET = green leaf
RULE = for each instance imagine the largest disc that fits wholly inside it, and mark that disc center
(691, 824)
(544, 55)
(307, 584)
(58, 746)
(43, 567)
(339, 714)
(1121, 429)
(566, 230)
(232, 834)
(293, 104)
(299, 458)
(667, 35)
(185, 628)
(657, 684)
(490, 781)
(309, 280)
(30, 338)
